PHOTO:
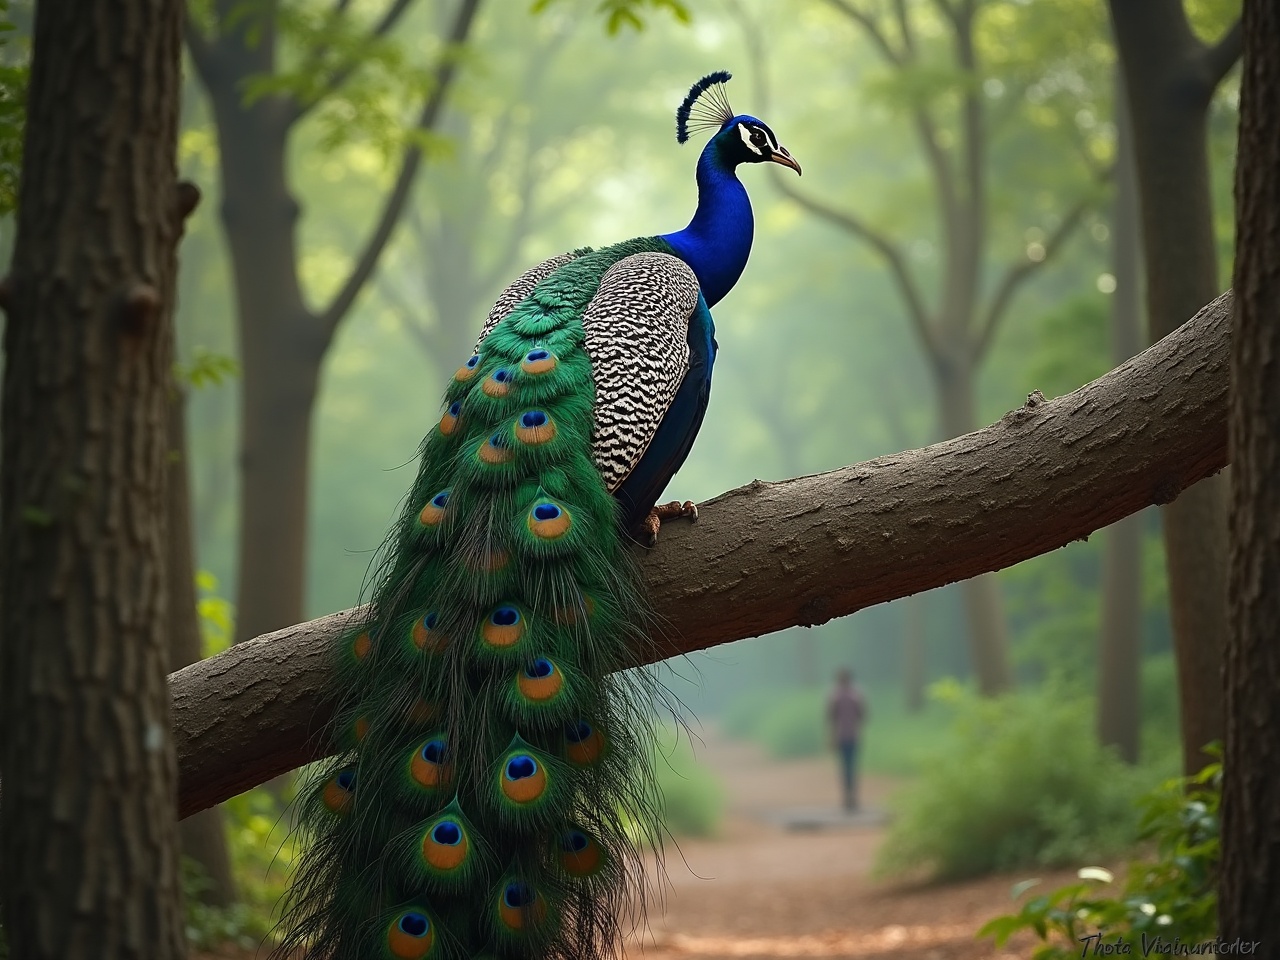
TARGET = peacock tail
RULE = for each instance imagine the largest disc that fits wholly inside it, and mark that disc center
(492, 759)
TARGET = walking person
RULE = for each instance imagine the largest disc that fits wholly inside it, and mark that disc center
(846, 712)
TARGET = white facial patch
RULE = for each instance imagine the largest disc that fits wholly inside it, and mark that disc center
(773, 141)
(746, 138)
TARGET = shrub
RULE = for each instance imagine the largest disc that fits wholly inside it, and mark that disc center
(1015, 781)
(207, 926)
(1172, 897)
(789, 725)
(793, 726)
(692, 798)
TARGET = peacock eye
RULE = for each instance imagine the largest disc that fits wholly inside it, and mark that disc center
(757, 137)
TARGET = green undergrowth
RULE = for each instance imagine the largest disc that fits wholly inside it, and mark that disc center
(692, 797)
(262, 854)
(1170, 895)
(1015, 781)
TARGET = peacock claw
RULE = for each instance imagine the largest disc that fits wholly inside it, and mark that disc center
(667, 511)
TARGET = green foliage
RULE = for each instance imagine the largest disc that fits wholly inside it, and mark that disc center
(216, 615)
(692, 798)
(787, 726)
(628, 13)
(361, 82)
(1015, 781)
(206, 369)
(1171, 896)
(207, 926)
(13, 111)
(262, 857)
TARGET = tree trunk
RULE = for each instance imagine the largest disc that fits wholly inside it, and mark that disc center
(1251, 790)
(280, 353)
(1120, 637)
(1170, 81)
(88, 834)
(914, 635)
(202, 836)
(984, 609)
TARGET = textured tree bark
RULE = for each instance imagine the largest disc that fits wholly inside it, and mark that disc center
(1171, 76)
(88, 836)
(773, 555)
(1251, 790)
(1120, 636)
(202, 836)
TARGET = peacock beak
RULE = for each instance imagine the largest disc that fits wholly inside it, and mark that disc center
(782, 156)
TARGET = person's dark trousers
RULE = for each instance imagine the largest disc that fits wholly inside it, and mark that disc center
(849, 769)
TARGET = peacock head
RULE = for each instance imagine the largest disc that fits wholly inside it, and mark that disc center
(739, 138)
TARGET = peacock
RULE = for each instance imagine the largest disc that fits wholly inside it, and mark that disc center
(492, 787)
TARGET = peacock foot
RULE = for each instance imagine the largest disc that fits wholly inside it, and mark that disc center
(667, 511)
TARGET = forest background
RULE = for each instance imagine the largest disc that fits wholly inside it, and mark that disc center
(555, 131)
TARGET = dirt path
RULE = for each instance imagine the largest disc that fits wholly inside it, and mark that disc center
(762, 890)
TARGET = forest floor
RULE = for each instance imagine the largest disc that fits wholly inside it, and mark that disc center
(788, 875)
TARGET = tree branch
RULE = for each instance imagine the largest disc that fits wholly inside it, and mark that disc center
(773, 555)
(887, 249)
(871, 28)
(342, 74)
(1018, 274)
(1223, 55)
(198, 45)
(399, 195)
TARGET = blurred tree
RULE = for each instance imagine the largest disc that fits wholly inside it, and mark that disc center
(1251, 767)
(1120, 633)
(467, 238)
(941, 62)
(257, 104)
(88, 833)
(1171, 76)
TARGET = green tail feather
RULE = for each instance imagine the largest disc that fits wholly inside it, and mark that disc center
(491, 758)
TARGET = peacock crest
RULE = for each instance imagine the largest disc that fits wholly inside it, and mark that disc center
(706, 107)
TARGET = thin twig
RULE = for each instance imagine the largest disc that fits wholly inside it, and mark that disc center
(1018, 274)
(884, 246)
(343, 73)
(870, 27)
(332, 315)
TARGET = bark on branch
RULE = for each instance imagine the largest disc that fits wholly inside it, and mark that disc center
(799, 552)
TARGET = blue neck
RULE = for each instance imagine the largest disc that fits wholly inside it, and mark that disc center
(717, 241)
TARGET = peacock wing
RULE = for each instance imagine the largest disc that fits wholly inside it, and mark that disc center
(520, 288)
(636, 329)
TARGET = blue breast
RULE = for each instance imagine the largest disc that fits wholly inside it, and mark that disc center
(717, 241)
